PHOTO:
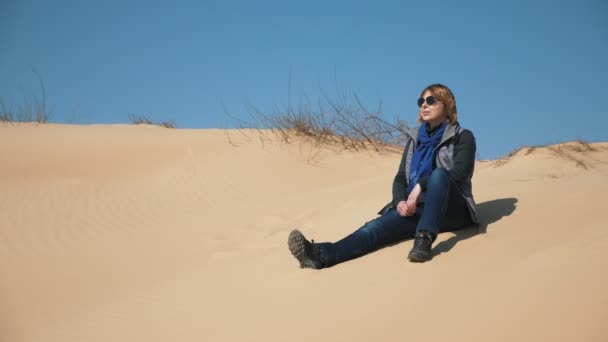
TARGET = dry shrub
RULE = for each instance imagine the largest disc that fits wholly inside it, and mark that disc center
(565, 151)
(33, 109)
(332, 122)
(142, 120)
(580, 145)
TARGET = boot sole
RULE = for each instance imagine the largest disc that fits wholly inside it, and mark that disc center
(418, 257)
(296, 247)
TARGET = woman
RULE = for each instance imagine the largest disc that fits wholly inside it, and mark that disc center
(432, 191)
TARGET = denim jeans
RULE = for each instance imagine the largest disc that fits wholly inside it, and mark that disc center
(443, 209)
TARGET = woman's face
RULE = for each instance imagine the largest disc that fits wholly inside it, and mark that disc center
(433, 114)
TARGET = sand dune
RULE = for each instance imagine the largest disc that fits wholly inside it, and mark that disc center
(140, 233)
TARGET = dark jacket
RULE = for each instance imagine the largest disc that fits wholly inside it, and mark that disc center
(455, 152)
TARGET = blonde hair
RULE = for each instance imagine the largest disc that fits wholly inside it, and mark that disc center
(443, 94)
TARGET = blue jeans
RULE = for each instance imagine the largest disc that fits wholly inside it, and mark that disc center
(444, 209)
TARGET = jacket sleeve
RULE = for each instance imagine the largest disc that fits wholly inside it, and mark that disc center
(464, 156)
(422, 181)
(464, 159)
(400, 182)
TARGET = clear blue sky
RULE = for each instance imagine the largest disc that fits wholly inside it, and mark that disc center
(523, 72)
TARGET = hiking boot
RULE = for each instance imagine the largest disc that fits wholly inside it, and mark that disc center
(307, 253)
(421, 251)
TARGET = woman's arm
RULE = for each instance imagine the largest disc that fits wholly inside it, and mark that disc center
(464, 159)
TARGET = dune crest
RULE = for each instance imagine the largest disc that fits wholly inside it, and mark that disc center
(562, 160)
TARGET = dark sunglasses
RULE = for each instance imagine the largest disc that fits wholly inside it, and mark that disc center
(431, 100)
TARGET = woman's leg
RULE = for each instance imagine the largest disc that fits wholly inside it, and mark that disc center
(457, 214)
(377, 233)
(444, 207)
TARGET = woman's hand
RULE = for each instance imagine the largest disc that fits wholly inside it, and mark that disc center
(408, 208)
(413, 198)
(402, 208)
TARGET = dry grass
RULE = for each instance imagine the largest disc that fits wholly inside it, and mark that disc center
(29, 112)
(142, 120)
(33, 109)
(568, 152)
(565, 151)
(342, 122)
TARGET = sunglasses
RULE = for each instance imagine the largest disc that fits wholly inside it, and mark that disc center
(431, 100)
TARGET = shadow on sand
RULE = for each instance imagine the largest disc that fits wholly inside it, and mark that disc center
(488, 213)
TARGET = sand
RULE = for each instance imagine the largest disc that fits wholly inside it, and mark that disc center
(141, 233)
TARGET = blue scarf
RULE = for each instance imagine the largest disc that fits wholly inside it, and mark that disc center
(422, 160)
